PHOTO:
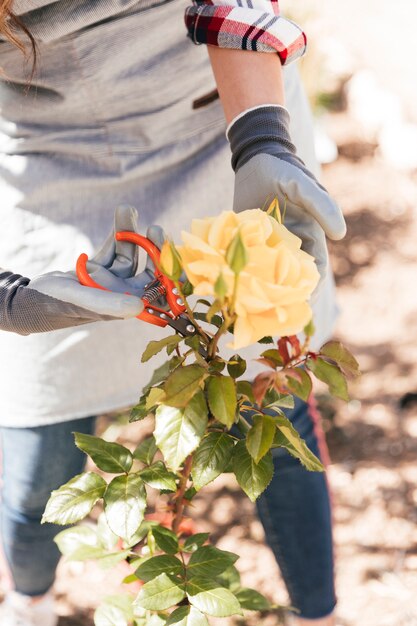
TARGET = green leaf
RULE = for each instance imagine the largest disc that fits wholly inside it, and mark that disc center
(220, 289)
(309, 329)
(301, 388)
(331, 375)
(274, 356)
(125, 504)
(288, 437)
(260, 437)
(105, 535)
(216, 365)
(182, 384)
(230, 578)
(211, 458)
(252, 600)
(253, 478)
(209, 561)
(158, 477)
(74, 500)
(160, 593)
(156, 619)
(209, 597)
(187, 616)
(178, 432)
(236, 366)
(161, 373)
(164, 563)
(187, 288)
(222, 398)
(244, 390)
(236, 254)
(109, 457)
(114, 611)
(154, 347)
(273, 399)
(146, 450)
(266, 339)
(155, 396)
(139, 412)
(166, 539)
(191, 544)
(193, 342)
(128, 580)
(340, 354)
(108, 561)
(71, 539)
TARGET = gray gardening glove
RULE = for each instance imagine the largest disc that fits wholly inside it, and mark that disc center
(266, 165)
(57, 300)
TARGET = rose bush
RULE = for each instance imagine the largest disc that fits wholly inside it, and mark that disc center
(260, 281)
(274, 287)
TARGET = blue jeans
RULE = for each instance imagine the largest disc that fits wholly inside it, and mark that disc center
(294, 510)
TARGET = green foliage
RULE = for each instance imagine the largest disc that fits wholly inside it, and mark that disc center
(187, 616)
(288, 437)
(209, 561)
(125, 504)
(338, 353)
(114, 611)
(230, 578)
(163, 563)
(109, 457)
(273, 357)
(211, 458)
(252, 600)
(195, 541)
(252, 477)
(260, 437)
(74, 500)
(161, 593)
(300, 384)
(82, 543)
(197, 395)
(182, 384)
(274, 399)
(146, 450)
(165, 539)
(158, 477)
(331, 375)
(209, 597)
(154, 347)
(236, 366)
(179, 431)
(222, 398)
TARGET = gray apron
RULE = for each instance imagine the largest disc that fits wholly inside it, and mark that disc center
(108, 119)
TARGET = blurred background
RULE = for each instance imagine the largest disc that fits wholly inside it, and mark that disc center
(361, 77)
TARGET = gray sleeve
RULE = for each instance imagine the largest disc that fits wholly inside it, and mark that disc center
(24, 310)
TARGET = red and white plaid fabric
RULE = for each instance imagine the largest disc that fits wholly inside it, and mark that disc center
(245, 25)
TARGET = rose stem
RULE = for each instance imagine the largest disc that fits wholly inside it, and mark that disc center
(179, 496)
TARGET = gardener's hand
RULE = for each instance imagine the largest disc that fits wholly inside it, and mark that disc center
(57, 300)
(266, 165)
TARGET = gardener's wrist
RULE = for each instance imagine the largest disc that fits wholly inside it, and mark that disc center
(260, 130)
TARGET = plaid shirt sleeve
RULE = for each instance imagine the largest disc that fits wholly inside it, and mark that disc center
(245, 25)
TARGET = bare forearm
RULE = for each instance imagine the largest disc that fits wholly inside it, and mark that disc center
(246, 79)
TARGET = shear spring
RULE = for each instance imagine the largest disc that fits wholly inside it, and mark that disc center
(153, 293)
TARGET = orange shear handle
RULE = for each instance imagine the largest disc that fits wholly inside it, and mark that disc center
(175, 303)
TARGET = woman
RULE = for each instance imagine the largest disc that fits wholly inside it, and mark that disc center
(120, 110)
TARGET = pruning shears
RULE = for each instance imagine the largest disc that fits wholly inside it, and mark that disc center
(160, 286)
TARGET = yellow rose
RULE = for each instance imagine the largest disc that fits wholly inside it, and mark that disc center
(273, 288)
